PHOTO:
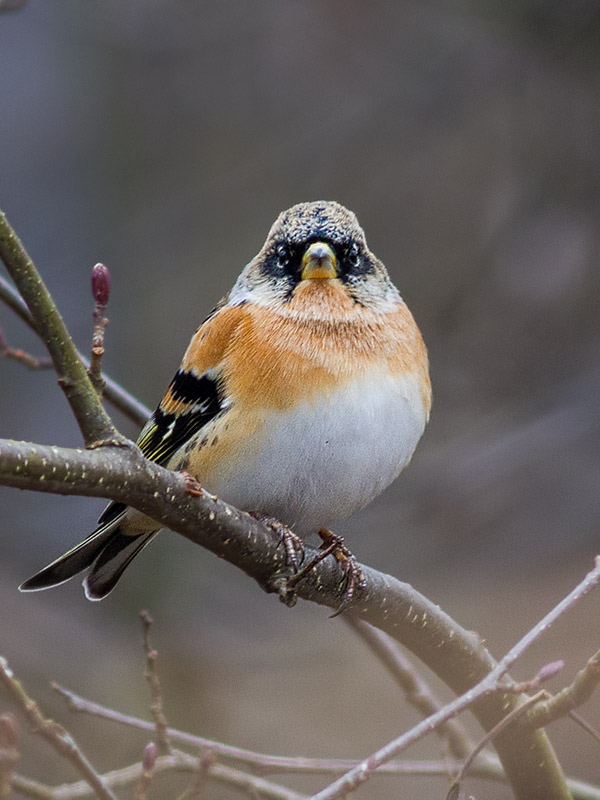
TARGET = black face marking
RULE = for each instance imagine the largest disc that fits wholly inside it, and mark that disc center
(284, 261)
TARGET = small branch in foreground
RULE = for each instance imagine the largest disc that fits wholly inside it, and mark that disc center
(490, 683)
(148, 767)
(416, 690)
(490, 735)
(151, 676)
(560, 704)
(486, 766)
(9, 754)
(56, 736)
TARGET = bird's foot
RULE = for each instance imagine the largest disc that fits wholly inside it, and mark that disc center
(292, 544)
(353, 575)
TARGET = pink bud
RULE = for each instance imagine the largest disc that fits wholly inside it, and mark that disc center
(549, 671)
(150, 756)
(101, 284)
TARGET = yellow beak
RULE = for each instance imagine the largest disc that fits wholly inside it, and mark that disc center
(319, 261)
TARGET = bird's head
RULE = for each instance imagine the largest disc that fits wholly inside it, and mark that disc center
(315, 249)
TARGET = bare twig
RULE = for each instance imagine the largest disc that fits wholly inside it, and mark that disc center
(416, 690)
(206, 761)
(148, 767)
(16, 354)
(585, 725)
(485, 767)
(175, 762)
(58, 738)
(9, 754)
(101, 293)
(490, 683)
(94, 423)
(152, 679)
(132, 408)
(490, 735)
(560, 704)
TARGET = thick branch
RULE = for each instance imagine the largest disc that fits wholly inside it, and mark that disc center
(94, 422)
(456, 655)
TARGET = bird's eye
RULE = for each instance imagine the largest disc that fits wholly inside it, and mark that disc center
(353, 255)
(284, 256)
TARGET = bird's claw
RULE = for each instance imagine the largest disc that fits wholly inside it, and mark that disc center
(292, 544)
(353, 575)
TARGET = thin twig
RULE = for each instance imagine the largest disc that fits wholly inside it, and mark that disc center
(175, 762)
(60, 739)
(490, 683)
(148, 766)
(152, 679)
(9, 754)
(94, 423)
(415, 689)
(585, 725)
(486, 767)
(101, 293)
(16, 354)
(137, 412)
(260, 761)
(206, 761)
(572, 696)
(489, 736)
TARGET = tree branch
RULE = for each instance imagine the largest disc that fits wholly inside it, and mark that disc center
(136, 411)
(490, 683)
(416, 691)
(94, 422)
(56, 736)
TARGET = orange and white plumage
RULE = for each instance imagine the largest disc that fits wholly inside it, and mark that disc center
(301, 397)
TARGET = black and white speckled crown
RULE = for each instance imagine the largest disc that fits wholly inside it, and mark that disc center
(322, 219)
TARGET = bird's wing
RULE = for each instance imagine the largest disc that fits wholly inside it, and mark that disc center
(194, 397)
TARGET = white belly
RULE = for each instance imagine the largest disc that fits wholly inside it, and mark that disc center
(322, 461)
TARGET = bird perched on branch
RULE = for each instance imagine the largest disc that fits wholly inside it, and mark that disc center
(301, 397)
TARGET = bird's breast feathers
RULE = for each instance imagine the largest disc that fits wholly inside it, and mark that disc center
(321, 410)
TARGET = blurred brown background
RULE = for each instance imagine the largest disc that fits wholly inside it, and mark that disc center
(163, 138)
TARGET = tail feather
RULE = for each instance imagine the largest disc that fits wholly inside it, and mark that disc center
(72, 562)
(107, 551)
(113, 560)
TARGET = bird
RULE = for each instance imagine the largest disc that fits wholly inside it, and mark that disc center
(301, 397)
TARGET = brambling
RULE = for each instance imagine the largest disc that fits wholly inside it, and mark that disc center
(301, 396)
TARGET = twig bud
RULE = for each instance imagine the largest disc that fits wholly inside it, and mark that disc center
(149, 757)
(101, 284)
(549, 671)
